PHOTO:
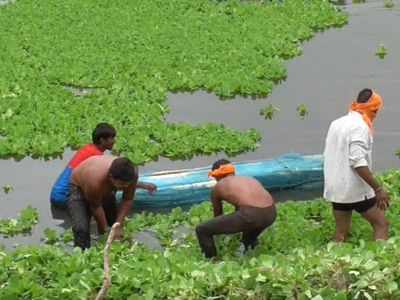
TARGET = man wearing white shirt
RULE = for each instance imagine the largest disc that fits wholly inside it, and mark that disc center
(349, 183)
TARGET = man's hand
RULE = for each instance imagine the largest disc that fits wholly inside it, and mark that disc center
(382, 198)
(150, 187)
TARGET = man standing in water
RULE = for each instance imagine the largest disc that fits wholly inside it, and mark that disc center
(255, 209)
(349, 183)
(92, 192)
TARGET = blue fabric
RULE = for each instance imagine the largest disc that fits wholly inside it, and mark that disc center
(60, 191)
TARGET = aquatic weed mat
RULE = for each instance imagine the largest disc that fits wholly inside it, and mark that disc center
(67, 65)
(294, 257)
(294, 260)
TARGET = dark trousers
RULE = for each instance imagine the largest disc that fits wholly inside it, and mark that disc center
(250, 221)
(80, 213)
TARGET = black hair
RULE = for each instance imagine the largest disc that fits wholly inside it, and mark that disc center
(364, 95)
(123, 169)
(219, 163)
(103, 130)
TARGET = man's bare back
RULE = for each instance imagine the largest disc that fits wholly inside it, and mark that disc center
(243, 191)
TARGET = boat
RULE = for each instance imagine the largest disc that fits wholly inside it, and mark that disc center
(186, 187)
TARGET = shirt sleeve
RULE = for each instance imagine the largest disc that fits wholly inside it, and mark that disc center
(358, 148)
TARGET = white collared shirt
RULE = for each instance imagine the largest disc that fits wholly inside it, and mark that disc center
(348, 145)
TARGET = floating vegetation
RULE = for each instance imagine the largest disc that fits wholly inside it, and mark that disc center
(27, 218)
(388, 3)
(295, 252)
(381, 52)
(137, 52)
(302, 111)
(7, 189)
(269, 111)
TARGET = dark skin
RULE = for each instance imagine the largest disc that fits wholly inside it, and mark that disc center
(128, 189)
(239, 191)
(217, 204)
(382, 198)
(106, 143)
(96, 201)
(375, 215)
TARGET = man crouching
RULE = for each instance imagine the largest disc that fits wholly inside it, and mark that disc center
(255, 209)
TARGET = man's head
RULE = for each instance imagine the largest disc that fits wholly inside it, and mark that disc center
(221, 168)
(219, 163)
(364, 95)
(103, 136)
(369, 103)
(122, 173)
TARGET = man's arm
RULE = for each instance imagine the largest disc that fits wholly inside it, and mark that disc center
(358, 152)
(100, 217)
(96, 207)
(381, 195)
(216, 202)
(150, 187)
(126, 204)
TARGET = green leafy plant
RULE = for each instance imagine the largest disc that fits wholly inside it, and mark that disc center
(381, 52)
(27, 218)
(52, 237)
(129, 55)
(7, 188)
(388, 3)
(269, 111)
(302, 111)
(295, 259)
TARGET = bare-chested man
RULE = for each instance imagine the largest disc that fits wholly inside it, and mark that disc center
(255, 209)
(93, 186)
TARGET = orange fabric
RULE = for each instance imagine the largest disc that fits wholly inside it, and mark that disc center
(222, 171)
(368, 109)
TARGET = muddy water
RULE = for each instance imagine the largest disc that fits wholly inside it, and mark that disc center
(335, 65)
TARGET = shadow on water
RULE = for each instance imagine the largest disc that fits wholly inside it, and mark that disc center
(335, 65)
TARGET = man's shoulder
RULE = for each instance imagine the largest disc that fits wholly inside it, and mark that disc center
(101, 158)
(341, 120)
(349, 122)
(94, 162)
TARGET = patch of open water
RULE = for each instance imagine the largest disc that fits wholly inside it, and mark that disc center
(335, 65)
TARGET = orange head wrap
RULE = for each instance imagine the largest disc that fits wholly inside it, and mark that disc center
(222, 171)
(368, 109)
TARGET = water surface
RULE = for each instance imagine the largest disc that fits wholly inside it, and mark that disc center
(335, 65)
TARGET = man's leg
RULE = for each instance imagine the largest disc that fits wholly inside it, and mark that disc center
(343, 224)
(250, 238)
(376, 217)
(263, 217)
(110, 209)
(232, 223)
(80, 217)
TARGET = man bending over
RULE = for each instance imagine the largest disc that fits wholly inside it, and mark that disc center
(92, 193)
(255, 209)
